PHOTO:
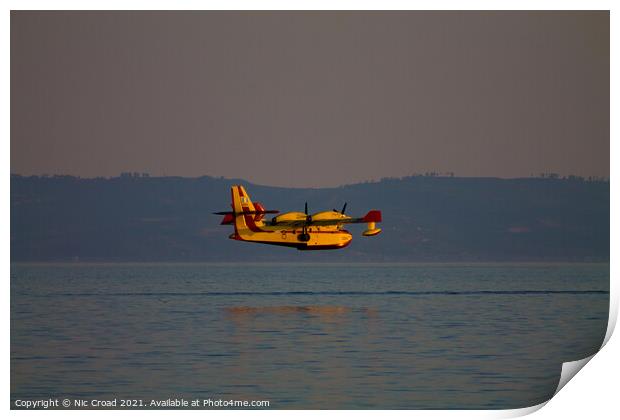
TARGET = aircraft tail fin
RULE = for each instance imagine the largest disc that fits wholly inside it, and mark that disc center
(245, 215)
(241, 201)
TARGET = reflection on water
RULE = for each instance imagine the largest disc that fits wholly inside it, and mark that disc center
(327, 336)
(321, 310)
(331, 311)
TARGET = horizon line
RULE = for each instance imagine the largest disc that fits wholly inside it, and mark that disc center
(146, 175)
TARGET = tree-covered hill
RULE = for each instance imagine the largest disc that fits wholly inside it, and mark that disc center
(426, 218)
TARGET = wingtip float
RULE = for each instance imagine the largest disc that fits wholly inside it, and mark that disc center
(323, 230)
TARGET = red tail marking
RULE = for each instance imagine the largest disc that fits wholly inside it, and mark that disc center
(249, 221)
(259, 208)
(372, 216)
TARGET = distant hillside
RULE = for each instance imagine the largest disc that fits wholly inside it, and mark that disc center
(425, 219)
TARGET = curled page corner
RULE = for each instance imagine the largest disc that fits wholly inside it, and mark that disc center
(613, 316)
(570, 369)
(518, 412)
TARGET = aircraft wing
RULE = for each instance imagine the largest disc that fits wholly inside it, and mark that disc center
(372, 216)
(322, 222)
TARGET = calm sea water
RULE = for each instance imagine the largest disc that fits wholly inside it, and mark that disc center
(304, 336)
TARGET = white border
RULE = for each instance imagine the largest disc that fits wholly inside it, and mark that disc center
(592, 394)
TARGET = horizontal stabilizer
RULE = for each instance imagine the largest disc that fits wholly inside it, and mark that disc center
(227, 220)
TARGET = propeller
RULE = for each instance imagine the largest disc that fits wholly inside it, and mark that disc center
(343, 209)
(304, 229)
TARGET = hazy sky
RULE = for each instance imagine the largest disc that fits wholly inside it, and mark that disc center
(310, 98)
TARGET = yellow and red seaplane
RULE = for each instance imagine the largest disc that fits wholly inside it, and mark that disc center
(323, 230)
